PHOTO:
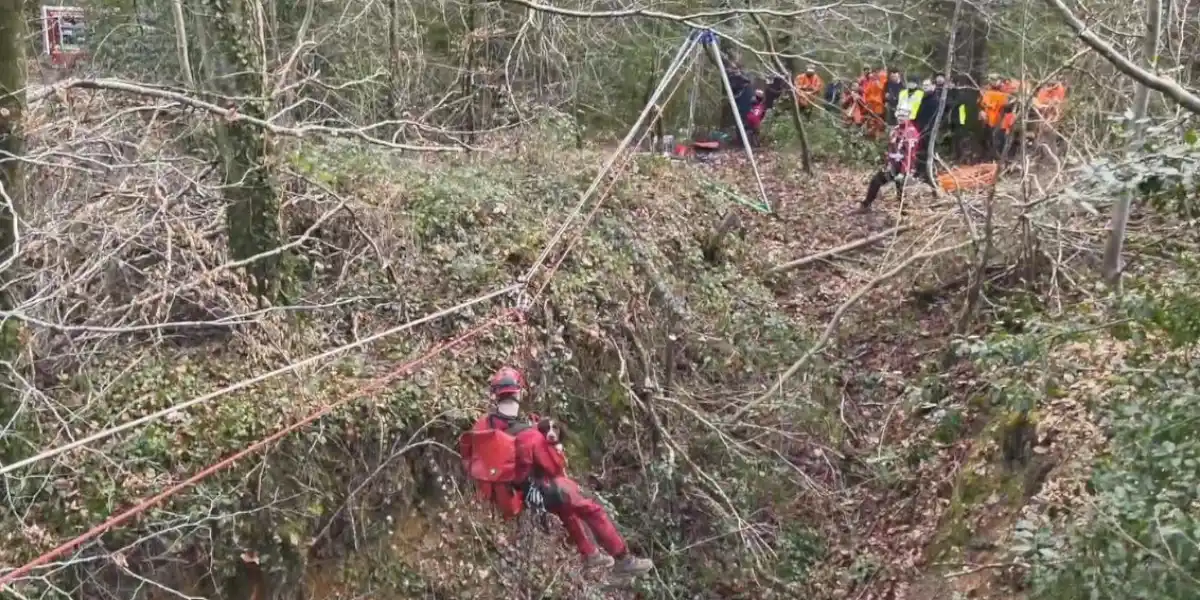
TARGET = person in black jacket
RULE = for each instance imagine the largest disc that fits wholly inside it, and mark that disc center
(775, 89)
(963, 120)
(833, 96)
(743, 92)
(891, 95)
(926, 116)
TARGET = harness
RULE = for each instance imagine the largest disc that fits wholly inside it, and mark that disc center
(534, 499)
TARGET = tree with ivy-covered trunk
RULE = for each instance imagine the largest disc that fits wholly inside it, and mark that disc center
(12, 178)
(252, 215)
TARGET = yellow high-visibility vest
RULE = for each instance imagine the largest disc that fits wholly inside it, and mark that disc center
(912, 99)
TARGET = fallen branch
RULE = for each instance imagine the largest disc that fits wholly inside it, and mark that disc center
(232, 115)
(855, 245)
(929, 294)
(837, 317)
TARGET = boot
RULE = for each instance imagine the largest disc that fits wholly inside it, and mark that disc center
(597, 560)
(631, 565)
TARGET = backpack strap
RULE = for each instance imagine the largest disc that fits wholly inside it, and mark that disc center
(513, 427)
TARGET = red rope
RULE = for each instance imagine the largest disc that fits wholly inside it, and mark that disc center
(152, 501)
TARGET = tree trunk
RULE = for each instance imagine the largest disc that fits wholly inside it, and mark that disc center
(1141, 104)
(652, 80)
(181, 43)
(468, 82)
(252, 215)
(966, 49)
(12, 176)
(789, 69)
(948, 66)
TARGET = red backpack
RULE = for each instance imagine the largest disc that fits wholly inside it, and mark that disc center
(490, 458)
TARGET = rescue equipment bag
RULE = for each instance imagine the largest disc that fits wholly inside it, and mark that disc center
(490, 459)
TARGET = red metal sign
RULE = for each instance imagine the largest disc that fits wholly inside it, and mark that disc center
(64, 33)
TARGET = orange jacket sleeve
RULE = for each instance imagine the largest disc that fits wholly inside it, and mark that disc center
(991, 105)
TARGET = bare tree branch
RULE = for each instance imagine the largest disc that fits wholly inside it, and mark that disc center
(362, 133)
(1169, 87)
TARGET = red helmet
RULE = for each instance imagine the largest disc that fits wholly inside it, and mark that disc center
(506, 381)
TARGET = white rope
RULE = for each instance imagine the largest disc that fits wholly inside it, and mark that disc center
(741, 128)
(249, 382)
(651, 105)
(695, 91)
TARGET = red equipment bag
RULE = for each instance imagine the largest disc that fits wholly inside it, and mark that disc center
(490, 459)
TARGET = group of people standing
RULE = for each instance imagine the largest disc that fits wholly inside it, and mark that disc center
(977, 122)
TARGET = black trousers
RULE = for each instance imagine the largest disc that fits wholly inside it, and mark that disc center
(960, 143)
(877, 182)
(995, 138)
(751, 135)
(1001, 139)
(923, 156)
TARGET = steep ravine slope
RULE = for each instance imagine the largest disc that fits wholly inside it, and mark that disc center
(390, 240)
(643, 342)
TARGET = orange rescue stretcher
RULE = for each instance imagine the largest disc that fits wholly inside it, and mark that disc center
(969, 177)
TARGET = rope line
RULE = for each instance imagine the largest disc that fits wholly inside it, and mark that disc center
(370, 388)
(651, 104)
(152, 501)
(603, 195)
(737, 117)
(245, 383)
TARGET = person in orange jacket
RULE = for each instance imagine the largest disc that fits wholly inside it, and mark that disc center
(1049, 101)
(808, 89)
(864, 78)
(874, 97)
(992, 103)
(1048, 105)
(854, 109)
(1004, 132)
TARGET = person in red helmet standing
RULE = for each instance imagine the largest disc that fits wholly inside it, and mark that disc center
(515, 461)
(901, 159)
